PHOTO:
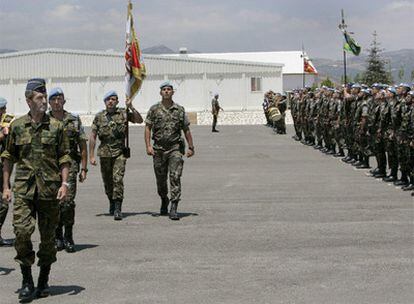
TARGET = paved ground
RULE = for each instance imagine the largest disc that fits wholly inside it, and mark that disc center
(265, 220)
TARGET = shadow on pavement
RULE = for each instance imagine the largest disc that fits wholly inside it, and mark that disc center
(6, 271)
(80, 247)
(70, 290)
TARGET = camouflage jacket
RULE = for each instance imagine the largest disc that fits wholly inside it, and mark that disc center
(74, 130)
(38, 150)
(111, 131)
(166, 125)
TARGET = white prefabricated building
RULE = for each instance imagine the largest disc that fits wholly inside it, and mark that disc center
(85, 76)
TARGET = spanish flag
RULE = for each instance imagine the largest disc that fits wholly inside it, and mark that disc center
(308, 66)
(135, 68)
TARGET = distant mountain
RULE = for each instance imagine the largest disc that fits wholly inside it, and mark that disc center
(2, 51)
(158, 49)
(397, 60)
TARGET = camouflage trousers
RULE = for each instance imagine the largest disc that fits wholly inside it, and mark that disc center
(404, 157)
(392, 154)
(380, 155)
(25, 214)
(113, 171)
(3, 212)
(67, 208)
(169, 163)
(3, 207)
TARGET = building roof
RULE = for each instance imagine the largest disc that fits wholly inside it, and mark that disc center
(79, 63)
(292, 60)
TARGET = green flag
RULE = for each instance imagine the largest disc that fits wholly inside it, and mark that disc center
(350, 45)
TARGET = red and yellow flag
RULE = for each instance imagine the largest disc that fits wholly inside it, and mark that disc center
(308, 66)
(135, 67)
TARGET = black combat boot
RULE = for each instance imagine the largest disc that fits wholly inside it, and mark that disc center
(390, 178)
(42, 290)
(26, 293)
(364, 163)
(69, 243)
(60, 245)
(118, 211)
(164, 206)
(173, 212)
(410, 186)
(403, 181)
(111, 207)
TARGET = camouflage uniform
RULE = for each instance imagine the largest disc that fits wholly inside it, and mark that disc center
(391, 142)
(361, 131)
(166, 125)
(378, 121)
(402, 134)
(111, 131)
(38, 150)
(215, 108)
(76, 134)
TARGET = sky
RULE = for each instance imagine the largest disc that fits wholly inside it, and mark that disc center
(206, 26)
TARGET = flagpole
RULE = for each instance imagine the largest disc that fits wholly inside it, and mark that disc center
(343, 27)
(127, 148)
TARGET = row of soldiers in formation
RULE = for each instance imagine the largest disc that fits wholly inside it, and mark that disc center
(366, 121)
(274, 108)
(49, 153)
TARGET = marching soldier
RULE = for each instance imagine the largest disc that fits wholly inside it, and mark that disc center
(166, 121)
(110, 126)
(39, 147)
(78, 153)
(4, 131)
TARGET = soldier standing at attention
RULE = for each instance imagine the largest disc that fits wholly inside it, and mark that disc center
(78, 153)
(39, 147)
(4, 131)
(215, 108)
(165, 120)
(110, 126)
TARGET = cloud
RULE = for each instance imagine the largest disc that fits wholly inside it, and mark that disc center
(64, 11)
(401, 5)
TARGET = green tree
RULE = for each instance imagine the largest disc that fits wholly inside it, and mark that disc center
(376, 65)
(401, 73)
(358, 78)
(327, 82)
(412, 75)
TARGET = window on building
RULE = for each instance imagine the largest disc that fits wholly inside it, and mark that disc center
(256, 84)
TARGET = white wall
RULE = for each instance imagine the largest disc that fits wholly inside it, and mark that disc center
(194, 92)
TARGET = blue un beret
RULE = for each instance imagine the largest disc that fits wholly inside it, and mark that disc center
(166, 84)
(110, 94)
(37, 85)
(3, 102)
(55, 92)
(405, 85)
(356, 86)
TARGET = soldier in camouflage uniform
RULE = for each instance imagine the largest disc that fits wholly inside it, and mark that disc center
(4, 130)
(215, 109)
(294, 110)
(390, 134)
(39, 147)
(361, 129)
(411, 144)
(110, 126)
(166, 120)
(402, 134)
(339, 126)
(379, 119)
(77, 139)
